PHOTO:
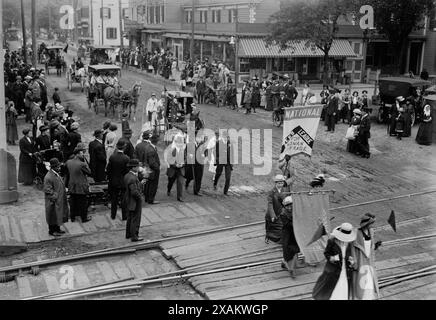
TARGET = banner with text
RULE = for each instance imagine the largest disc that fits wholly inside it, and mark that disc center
(299, 130)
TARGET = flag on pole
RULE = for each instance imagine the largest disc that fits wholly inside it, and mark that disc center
(320, 232)
(299, 130)
(311, 223)
(391, 221)
(66, 48)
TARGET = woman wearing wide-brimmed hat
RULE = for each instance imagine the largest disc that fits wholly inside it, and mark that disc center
(365, 283)
(335, 281)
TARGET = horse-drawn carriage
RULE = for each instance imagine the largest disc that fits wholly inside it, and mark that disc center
(75, 75)
(179, 112)
(104, 89)
(102, 55)
(52, 58)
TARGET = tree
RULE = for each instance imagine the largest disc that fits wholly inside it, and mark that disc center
(313, 21)
(396, 20)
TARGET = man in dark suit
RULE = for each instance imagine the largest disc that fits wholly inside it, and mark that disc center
(332, 110)
(201, 90)
(97, 157)
(77, 183)
(176, 165)
(72, 139)
(195, 167)
(291, 92)
(152, 161)
(43, 141)
(284, 101)
(132, 201)
(116, 170)
(129, 150)
(27, 165)
(223, 161)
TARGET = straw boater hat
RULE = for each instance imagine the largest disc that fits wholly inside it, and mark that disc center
(288, 200)
(367, 220)
(357, 111)
(279, 178)
(345, 232)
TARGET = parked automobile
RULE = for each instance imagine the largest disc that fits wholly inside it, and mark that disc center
(393, 87)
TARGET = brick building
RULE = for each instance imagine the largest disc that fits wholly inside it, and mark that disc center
(167, 24)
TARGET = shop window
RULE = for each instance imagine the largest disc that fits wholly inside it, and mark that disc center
(289, 65)
(218, 50)
(349, 65)
(258, 63)
(207, 49)
(244, 65)
(162, 13)
(111, 33)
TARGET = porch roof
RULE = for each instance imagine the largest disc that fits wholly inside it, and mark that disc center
(256, 48)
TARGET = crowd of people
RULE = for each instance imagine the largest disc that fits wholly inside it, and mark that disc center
(349, 273)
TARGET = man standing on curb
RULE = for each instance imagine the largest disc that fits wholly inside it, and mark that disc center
(133, 201)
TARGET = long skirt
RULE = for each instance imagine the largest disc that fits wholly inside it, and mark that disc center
(424, 135)
(290, 245)
(26, 173)
(11, 132)
(341, 289)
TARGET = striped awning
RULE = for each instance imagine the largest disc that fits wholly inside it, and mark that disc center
(257, 48)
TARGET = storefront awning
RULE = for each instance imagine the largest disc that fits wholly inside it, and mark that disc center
(257, 48)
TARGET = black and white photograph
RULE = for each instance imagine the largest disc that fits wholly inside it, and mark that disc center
(222, 156)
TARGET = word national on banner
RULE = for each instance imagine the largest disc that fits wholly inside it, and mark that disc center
(299, 130)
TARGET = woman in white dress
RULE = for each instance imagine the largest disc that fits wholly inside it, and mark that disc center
(307, 93)
(335, 281)
(365, 282)
(111, 140)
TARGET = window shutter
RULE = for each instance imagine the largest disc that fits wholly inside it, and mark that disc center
(108, 13)
(101, 13)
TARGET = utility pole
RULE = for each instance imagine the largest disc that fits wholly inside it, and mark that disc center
(8, 173)
(34, 51)
(76, 30)
(236, 47)
(102, 18)
(23, 26)
(121, 27)
(192, 31)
